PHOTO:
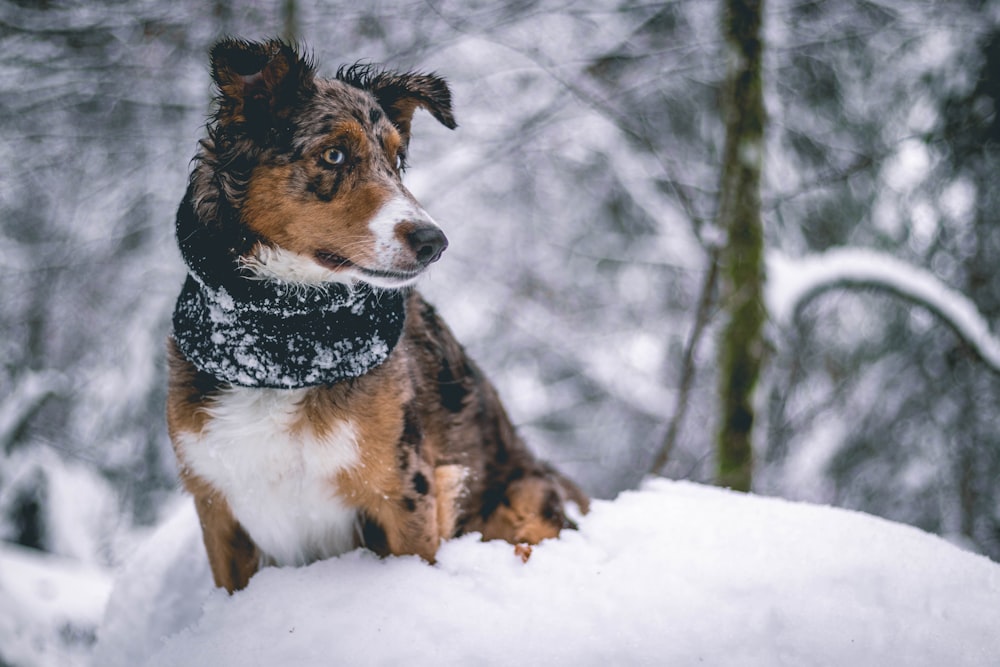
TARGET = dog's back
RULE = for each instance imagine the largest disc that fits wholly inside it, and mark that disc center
(316, 402)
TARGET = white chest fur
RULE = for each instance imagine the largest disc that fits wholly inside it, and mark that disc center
(279, 477)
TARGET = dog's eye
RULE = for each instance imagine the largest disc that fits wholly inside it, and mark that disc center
(400, 162)
(334, 156)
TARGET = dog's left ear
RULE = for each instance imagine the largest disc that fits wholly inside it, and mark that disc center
(400, 95)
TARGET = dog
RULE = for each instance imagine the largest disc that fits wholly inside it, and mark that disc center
(316, 402)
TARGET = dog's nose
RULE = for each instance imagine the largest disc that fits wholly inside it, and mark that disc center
(427, 244)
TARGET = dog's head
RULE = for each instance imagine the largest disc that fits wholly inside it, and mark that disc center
(315, 165)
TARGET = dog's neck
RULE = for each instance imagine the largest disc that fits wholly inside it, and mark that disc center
(263, 333)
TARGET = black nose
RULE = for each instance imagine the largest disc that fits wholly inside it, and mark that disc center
(427, 244)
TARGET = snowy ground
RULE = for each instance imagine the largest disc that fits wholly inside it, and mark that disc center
(49, 607)
(674, 573)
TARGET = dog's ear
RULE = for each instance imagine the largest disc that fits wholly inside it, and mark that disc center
(400, 95)
(259, 82)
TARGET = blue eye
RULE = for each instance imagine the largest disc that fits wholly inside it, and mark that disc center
(334, 156)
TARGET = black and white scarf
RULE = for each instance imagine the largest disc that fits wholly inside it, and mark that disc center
(264, 333)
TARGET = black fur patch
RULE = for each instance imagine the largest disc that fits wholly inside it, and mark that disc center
(451, 389)
(243, 549)
(551, 509)
(493, 496)
(373, 537)
(420, 484)
(413, 434)
(323, 187)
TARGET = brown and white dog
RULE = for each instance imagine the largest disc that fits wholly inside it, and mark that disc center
(316, 402)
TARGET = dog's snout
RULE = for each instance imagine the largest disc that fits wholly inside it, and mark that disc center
(427, 244)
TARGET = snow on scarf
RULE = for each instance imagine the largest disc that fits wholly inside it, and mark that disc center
(261, 333)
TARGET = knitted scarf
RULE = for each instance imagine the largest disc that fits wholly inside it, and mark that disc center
(264, 333)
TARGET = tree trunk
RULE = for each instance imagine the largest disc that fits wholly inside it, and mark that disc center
(290, 21)
(742, 256)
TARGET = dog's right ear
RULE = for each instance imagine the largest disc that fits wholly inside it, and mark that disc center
(259, 82)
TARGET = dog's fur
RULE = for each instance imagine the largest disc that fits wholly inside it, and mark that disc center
(299, 180)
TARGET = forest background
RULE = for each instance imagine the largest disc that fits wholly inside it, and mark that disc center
(580, 194)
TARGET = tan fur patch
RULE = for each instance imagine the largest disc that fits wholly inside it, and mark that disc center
(232, 554)
(353, 137)
(392, 142)
(449, 482)
(374, 485)
(284, 214)
(185, 396)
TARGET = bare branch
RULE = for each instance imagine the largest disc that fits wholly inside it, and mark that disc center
(702, 317)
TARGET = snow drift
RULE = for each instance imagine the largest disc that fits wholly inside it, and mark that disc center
(674, 573)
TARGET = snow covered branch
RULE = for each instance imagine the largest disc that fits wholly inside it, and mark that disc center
(30, 392)
(792, 283)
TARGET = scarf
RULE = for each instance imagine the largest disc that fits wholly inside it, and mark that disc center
(265, 333)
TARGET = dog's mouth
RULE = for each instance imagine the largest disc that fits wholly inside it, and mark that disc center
(333, 261)
(376, 277)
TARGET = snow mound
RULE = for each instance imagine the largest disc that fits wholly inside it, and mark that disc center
(49, 607)
(674, 573)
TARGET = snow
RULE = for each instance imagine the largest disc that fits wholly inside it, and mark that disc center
(49, 607)
(158, 592)
(83, 531)
(792, 282)
(673, 573)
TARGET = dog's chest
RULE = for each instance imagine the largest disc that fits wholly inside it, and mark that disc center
(277, 473)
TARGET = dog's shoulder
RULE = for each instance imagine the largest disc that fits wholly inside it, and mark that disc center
(446, 373)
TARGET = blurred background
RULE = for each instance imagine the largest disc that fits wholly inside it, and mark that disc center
(578, 193)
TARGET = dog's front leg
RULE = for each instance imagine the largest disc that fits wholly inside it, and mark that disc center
(233, 556)
(399, 522)
(532, 508)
